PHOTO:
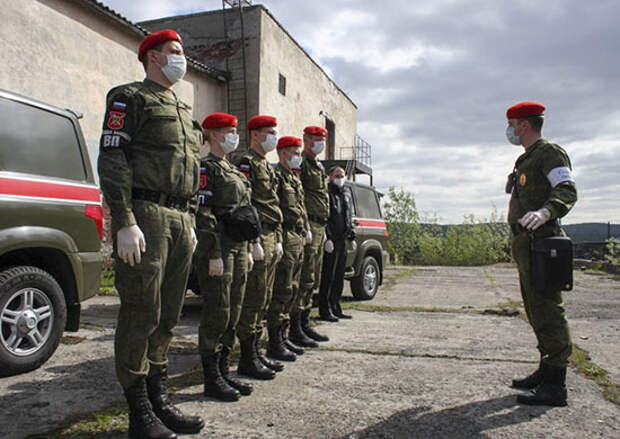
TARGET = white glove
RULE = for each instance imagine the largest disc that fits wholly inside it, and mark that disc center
(329, 246)
(130, 244)
(309, 237)
(216, 267)
(353, 245)
(194, 240)
(279, 251)
(533, 220)
(257, 252)
(250, 262)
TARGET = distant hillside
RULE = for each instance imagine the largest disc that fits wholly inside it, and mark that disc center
(591, 232)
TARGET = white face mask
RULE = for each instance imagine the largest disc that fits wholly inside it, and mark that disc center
(512, 137)
(176, 68)
(294, 162)
(338, 181)
(318, 147)
(230, 143)
(270, 143)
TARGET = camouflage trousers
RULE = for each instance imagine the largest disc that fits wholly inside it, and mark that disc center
(259, 289)
(222, 297)
(544, 309)
(311, 268)
(151, 292)
(286, 283)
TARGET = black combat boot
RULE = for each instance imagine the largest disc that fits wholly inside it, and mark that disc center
(309, 330)
(143, 423)
(552, 390)
(243, 388)
(250, 365)
(531, 381)
(337, 311)
(298, 336)
(214, 384)
(289, 344)
(276, 348)
(325, 312)
(274, 365)
(157, 388)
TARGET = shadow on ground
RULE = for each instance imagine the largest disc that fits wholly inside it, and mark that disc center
(464, 421)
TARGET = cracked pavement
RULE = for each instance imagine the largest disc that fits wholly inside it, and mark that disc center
(384, 374)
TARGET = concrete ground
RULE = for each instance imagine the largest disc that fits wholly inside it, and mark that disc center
(430, 357)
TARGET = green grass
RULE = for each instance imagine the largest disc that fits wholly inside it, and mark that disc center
(390, 280)
(106, 287)
(502, 310)
(581, 362)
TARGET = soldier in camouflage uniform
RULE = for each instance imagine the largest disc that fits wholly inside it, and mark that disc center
(267, 251)
(222, 262)
(149, 166)
(314, 179)
(294, 230)
(543, 190)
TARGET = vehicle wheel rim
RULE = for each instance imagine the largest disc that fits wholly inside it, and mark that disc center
(26, 322)
(370, 278)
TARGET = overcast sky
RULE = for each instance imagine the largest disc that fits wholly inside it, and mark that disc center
(433, 79)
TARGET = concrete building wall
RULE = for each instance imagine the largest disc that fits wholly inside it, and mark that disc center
(204, 35)
(64, 53)
(310, 93)
(269, 51)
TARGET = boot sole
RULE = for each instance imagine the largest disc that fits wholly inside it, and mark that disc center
(281, 358)
(258, 376)
(523, 400)
(222, 397)
(304, 344)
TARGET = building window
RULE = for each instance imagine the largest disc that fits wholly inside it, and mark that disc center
(282, 84)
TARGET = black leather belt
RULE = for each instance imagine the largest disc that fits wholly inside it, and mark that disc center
(317, 220)
(165, 200)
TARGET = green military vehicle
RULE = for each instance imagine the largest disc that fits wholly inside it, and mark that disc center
(365, 263)
(51, 222)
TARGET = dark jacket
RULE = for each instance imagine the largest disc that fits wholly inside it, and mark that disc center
(339, 224)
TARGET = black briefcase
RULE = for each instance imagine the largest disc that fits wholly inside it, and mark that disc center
(552, 263)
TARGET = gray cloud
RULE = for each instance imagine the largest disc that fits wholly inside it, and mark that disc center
(433, 80)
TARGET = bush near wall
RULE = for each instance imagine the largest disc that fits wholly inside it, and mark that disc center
(477, 241)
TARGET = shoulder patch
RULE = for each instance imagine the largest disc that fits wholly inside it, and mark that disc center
(245, 169)
(203, 178)
(116, 119)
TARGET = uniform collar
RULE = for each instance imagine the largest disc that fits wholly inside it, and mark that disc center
(154, 86)
(308, 158)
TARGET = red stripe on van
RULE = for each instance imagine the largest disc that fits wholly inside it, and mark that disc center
(44, 189)
(370, 223)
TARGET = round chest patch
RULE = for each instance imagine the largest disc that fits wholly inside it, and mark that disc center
(522, 180)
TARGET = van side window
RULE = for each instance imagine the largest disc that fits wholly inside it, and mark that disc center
(36, 141)
(366, 203)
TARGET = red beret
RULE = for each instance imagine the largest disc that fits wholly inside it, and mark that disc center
(315, 131)
(156, 38)
(525, 109)
(286, 141)
(219, 120)
(258, 122)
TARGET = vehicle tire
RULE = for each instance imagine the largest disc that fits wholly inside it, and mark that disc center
(33, 315)
(365, 286)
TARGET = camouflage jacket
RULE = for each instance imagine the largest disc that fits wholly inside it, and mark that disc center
(149, 141)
